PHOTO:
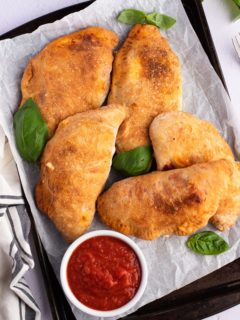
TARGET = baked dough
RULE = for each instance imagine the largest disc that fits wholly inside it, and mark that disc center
(177, 202)
(75, 166)
(147, 78)
(71, 74)
(229, 207)
(180, 139)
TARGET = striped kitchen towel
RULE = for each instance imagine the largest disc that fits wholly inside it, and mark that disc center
(16, 258)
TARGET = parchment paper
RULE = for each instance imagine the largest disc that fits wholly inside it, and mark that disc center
(171, 265)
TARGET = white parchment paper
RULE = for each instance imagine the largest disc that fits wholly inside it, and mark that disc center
(171, 265)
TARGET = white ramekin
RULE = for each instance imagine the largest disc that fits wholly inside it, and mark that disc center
(76, 302)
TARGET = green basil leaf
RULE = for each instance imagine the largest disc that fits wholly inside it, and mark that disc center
(237, 2)
(160, 20)
(207, 243)
(236, 14)
(134, 162)
(132, 16)
(31, 132)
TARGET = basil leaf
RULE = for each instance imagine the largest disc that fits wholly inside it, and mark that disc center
(236, 14)
(31, 132)
(207, 243)
(132, 16)
(134, 162)
(160, 20)
(237, 2)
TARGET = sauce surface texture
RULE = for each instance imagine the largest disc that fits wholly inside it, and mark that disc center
(104, 273)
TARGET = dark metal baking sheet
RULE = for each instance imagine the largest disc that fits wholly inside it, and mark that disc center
(209, 295)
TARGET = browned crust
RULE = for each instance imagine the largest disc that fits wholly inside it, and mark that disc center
(147, 78)
(71, 74)
(163, 203)
(180, 139)
(75, 166)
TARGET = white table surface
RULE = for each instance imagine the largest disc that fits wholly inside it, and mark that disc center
(14, 13)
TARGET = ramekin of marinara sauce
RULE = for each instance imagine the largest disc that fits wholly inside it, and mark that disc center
(104, 273)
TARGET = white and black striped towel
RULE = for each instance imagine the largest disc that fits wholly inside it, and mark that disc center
(16, 301)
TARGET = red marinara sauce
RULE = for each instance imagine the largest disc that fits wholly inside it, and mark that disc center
(104, 273)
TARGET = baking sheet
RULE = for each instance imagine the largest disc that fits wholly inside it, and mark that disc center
(170, 264)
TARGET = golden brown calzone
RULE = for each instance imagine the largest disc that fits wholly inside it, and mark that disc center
(75, 166)
(147, 78)
(71, 74)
